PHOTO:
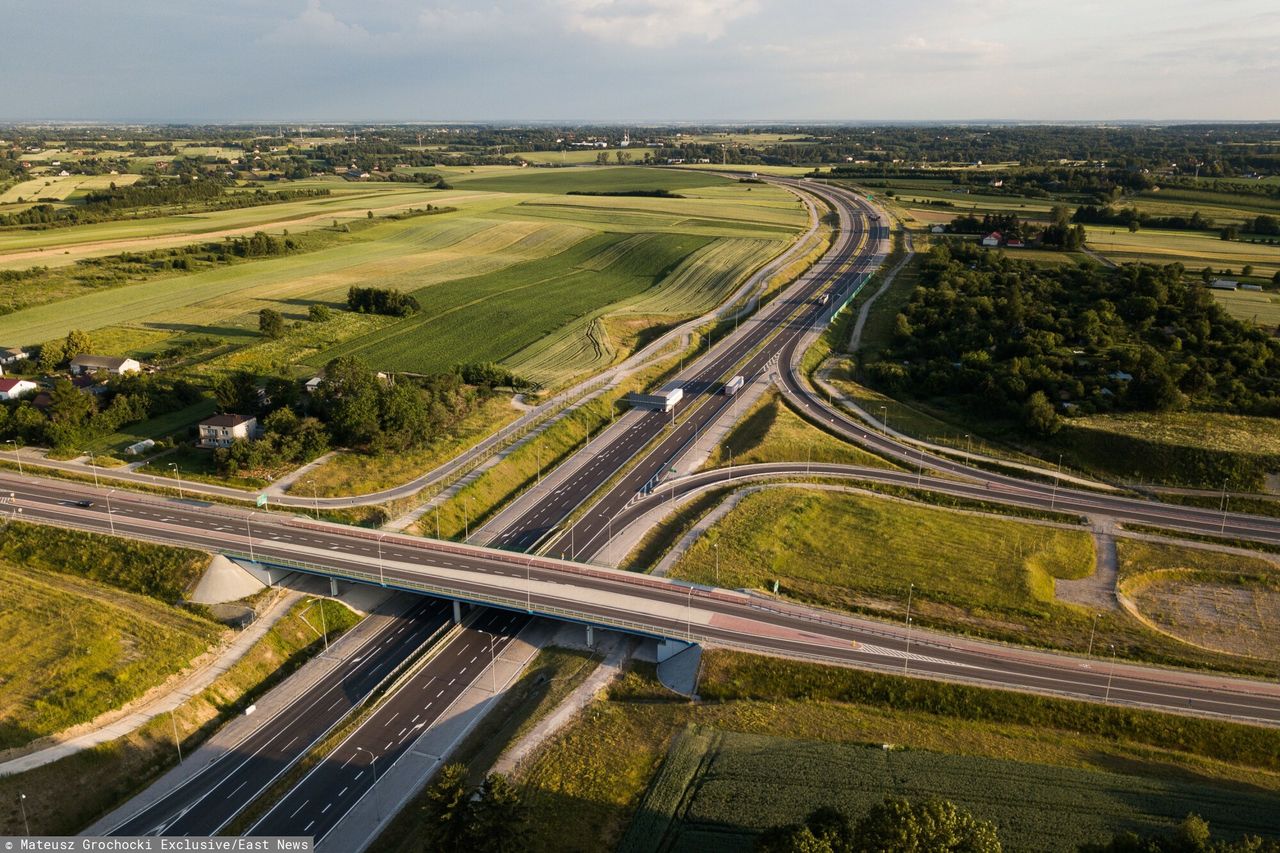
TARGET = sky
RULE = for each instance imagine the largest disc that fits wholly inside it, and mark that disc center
(639, 60)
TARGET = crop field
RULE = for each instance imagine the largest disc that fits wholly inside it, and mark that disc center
(54, 187)
(1260, 308)
(1215, 600)
(592, 179)
(79, 648)
(495, 263)
(718, 789)
(491, 317)
(1194, 249)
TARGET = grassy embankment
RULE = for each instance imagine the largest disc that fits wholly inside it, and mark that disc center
(91, 623)
(1210, 599)
(982, 575)
(1109, 768)
(67, 795)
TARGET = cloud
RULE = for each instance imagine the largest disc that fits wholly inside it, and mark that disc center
(654, 23)
(957, 52)
(317, 27)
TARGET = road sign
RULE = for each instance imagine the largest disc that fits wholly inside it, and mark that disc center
(262, 499)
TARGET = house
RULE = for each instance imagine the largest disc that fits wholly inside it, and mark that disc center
(992, 239)
(1256, 287)
(222, 430)
(13, 354)
(83, 364)
(1120, 376)
(1224, 284)
(12, 389)
(938, 229)
(312, 384)
(1014, 243)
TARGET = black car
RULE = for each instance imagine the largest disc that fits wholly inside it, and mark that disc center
(84, 504)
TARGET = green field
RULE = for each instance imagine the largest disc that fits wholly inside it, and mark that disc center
(979, 574)
(79, 648)
(1261, 308)
(555, 284)
(1193, 249)
(716, 790)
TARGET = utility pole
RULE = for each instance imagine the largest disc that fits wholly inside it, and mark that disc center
(17, 456)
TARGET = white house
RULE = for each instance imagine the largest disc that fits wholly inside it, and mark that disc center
(938, 229)
(83, 364)
(1224, 284)
(12, 389)
(13, 354)
(992, 239)
(222, 430)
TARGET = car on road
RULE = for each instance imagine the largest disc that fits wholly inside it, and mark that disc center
(84, 504)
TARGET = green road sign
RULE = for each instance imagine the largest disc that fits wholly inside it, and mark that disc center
(262, 499)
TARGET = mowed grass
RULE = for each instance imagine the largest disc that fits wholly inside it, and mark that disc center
(717, 790)
(770, 431)
(54, 187)
(79, 648)
(1194, 249)
(588, 179)
(1260, 308)
(491, 317)
(587, 785)
(1213, 431)
(1212, 599)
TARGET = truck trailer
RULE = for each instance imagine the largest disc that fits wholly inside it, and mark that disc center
(733, 386)
(663, 401)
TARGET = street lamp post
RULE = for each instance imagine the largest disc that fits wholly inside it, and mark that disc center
(528, 584)
(906, 658)
(437, 521)
(1106, 700)
(716, 547)
(466, 519)
(249, 529)
(1053, 500)
(178, 474)
(373, 759)
(1092, 631)
(177, 743)
(493, 660)
(17, 456)
(1223, 527)
(315, 500)
(93, 468)
(22, 804)
(324, 624)
(111, 522)
(884, 418)
(382, 573)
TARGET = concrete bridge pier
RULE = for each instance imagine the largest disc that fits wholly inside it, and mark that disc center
(590, 636)
(333, 587)
(457, 612)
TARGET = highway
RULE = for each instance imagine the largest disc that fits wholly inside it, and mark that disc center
(334, 785)
(634, 602)
(749, 351)
(214, 796)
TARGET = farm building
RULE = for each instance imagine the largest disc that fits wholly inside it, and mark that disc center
(13, 354)
(83, 364)
(223, 430)
(12, 389)
(1015, 243)
(992, 239)
(140, 446)
(1255, 287)
(1224, 284)
(938, 229)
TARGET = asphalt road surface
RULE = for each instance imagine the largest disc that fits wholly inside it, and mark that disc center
(209, 800)
(317, 803)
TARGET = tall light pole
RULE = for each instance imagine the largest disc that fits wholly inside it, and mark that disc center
(111, 522)
(466, 519)
(249, 529)
(1106, 700)
(17, 456)
(528, 584)
(716, 547)
(493, 660)
(323, 622)
(177, 743)
(178, 474)
(437, 521)
(884, 418)
(1223, 527)
(1092, 631)
(373, 759)
(906, 658)
(1054, 497)
(93, 468)
(315, 500)
(688, 629)
(382, 573)
(22, 804)
(968, 443)
(920, 470)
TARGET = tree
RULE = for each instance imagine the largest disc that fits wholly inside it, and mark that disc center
(52, 354)
(270, 323)
(1247, 270)
(349, 398)
(1038, 415)
(446, 809)
(77, 343)
(1134, 226)
(236, 393)
(319, 313)
(935, 826)
(1275, 279)
(403, 416)
(498, 817)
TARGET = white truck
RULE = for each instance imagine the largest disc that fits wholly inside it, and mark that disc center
(733, 386)
(663, 401)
